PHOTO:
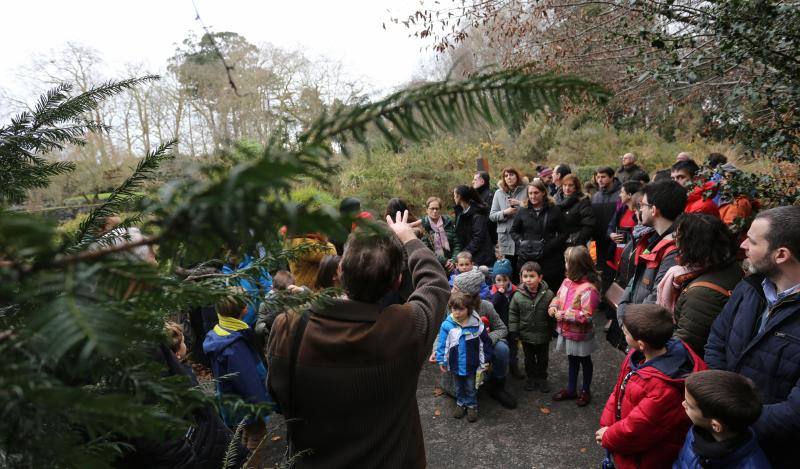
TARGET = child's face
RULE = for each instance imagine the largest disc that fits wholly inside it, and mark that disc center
(501, 281)
(531, 279)
(694, 412)
(459, 314)
(464, 265)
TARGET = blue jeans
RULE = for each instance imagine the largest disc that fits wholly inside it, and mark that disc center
(500, 359)
(466, 394)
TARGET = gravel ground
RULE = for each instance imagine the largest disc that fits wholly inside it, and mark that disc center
(540, 433)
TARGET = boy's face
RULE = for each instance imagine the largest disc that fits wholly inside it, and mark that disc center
(459, 314)
(464, 265)
(501, 281)
(531, 279)
(694, 412)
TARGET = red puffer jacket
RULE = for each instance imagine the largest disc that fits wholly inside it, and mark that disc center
(652, 423)
(696, 203)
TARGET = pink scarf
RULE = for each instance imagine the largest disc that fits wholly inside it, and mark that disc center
(440, 243)
(669, 289)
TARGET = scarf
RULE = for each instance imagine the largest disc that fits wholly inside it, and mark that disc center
(228, 324)
(671, 285)
(440, 243)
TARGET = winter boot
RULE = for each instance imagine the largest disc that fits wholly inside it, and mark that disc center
(472, 414)
(497, 390)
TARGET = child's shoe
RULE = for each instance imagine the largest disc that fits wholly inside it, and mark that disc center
(531, 384)
(472, 415)
(563, 395)
(459, 412)
(584, 398)
(544, 386)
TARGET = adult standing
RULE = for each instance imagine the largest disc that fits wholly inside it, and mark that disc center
(579, 219)
(439, 234)
(630, 171)
(505, 204)
(604, 204)
(482, 184)
(546, 175)
(699, 286)
(538, 231)
(367, 359)
(559, 172)
(758, 332)
(472, 225)
(655, 252)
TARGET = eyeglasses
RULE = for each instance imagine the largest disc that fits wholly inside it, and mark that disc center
(642, 204)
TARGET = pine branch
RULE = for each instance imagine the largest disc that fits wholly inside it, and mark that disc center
(91, 228)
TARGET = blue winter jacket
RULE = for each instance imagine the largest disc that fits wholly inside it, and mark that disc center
(256, 287)
(771, 359)
(233, 355)
(462, 349)
(747, 456)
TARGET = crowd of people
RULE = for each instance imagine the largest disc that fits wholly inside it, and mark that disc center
(699, 289)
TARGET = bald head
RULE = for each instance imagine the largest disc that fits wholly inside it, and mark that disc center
(683, 156)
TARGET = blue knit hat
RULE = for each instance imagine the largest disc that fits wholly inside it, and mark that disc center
(502, 267)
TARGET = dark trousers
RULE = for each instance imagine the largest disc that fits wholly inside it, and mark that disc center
(536, 358)
(575, 364)
(514, 269)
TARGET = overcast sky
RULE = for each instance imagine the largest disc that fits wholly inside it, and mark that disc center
(146, 31)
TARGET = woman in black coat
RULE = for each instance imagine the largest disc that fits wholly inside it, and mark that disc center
(578, 214)
(472, 225)
(538, 231)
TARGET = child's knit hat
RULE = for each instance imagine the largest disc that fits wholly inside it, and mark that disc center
(470, 282)
(502, 267)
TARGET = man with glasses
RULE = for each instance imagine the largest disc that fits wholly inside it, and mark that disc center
(656, 251)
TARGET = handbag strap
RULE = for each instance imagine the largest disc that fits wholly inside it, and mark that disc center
(711, 286)
(297, 339)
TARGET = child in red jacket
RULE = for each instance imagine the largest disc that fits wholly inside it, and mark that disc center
(644, 423)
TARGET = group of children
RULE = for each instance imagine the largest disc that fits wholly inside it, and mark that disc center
(532, 313)
(666, 407)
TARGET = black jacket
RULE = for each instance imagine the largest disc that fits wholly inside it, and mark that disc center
(487, 195)
(472, 229)
(604, 204)
(579, 219)
(527, 225)
(634, 173)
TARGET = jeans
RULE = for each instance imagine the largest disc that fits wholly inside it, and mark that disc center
(466, 394)
(536, 358)
(500, 359)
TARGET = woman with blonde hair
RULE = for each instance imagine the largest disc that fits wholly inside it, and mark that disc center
(505, 205)
(439, 234)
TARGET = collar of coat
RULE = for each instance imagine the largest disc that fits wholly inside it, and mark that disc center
(344, 309)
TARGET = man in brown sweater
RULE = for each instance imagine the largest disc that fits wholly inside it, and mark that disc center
(353, 399)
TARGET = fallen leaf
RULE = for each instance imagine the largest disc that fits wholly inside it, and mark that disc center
(583, 450)
(437, 391)
(437, 412)
(544, 410)
(276, 438)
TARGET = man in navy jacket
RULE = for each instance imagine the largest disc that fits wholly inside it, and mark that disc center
(758, 332)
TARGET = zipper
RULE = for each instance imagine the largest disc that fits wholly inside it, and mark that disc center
(788, 337)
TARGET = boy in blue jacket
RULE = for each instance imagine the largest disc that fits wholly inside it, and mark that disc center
(722, 405)
(238, 369)
(464, 347)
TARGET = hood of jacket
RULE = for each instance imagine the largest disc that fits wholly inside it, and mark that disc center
(474, 320)
(673, 366)
(215, 342)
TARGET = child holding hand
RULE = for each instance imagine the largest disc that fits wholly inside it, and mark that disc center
(573, 308)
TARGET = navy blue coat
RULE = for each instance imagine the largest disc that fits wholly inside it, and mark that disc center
(771, 359)
(747, 456)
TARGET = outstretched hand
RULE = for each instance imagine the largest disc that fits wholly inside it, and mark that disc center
(400, 226)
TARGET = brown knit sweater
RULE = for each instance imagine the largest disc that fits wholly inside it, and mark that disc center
(357, 372)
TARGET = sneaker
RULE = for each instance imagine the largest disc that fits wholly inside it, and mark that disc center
(584, 398)
(459, 412)
(472, 414)
(544, 386)
(564, 395)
